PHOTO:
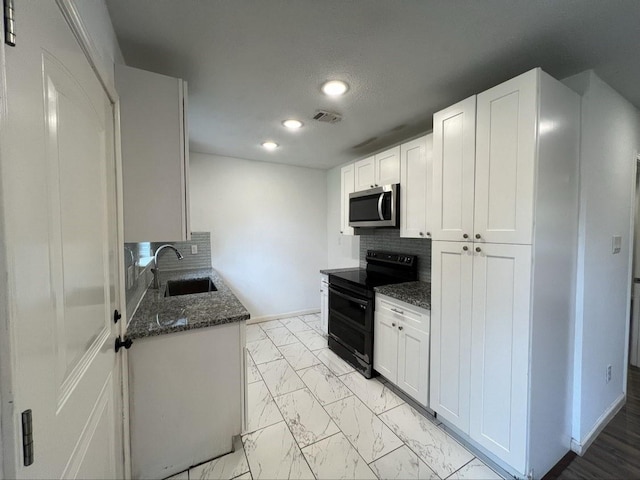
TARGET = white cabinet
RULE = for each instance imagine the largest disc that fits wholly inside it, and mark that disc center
(380, 169)
(324, 303)
(155, 156)
(346, 187)
(365, 174)
(501, 297)
(401, 346)
(185, 398)
(451, 282)
(506, 121)
(415, 187)
(500, 350)
(454, 138)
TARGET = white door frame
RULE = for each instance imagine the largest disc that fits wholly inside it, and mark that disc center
(632, 344)
(8, 429)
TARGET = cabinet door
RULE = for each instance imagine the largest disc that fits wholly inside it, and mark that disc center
(387, 166)
(451, 273)
(324, 307)
(365, 174)
(385, 346)
(454, 136)
(346, 187)
(414, 187)
(505, 161)
(155, 164)
(413, 362)
(500, 350)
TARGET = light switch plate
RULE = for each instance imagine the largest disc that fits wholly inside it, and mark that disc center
(616, 244)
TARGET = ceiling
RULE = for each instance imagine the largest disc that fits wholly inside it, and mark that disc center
(251, 64)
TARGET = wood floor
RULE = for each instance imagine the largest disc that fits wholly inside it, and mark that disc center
(616, 451)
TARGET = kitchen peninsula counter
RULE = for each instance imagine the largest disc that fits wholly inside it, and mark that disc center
(159, 315)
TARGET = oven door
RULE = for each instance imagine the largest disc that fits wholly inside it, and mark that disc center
(351, 322)
(377, 207)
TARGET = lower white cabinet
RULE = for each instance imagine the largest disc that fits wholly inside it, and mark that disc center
(480, 363)
(324, 303)
(401, 346)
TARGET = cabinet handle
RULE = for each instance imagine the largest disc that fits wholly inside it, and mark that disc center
(341, 231)
(478, 236)
(370, 186)
(465, 248)
(393, 324)
(397, 311)
(400, 327)
(428, 234)
(465, 235)
(421, 234)
(478, 249)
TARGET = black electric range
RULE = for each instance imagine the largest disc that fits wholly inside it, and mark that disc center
(352, 304)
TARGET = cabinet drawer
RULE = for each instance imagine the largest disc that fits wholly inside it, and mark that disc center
(416, 317)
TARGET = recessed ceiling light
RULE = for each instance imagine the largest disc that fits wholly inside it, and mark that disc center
(334, 88)
(270, 145)
(292, 124)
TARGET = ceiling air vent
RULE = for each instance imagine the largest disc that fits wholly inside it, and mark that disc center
(327, 117)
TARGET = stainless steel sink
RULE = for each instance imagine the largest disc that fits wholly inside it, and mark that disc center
(190, 286)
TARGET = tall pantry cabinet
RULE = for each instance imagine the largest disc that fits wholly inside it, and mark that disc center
(505, 205)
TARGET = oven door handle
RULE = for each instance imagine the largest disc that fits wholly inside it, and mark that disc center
(364, 303)
(380, 200)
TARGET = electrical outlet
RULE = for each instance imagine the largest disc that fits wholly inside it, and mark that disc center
(194, 249)
(608, 377)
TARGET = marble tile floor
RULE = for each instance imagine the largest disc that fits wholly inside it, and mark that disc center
(312, 416)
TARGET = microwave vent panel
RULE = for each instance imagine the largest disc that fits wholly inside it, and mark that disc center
(327, 117)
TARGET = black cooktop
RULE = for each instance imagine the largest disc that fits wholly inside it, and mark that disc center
(361, 276)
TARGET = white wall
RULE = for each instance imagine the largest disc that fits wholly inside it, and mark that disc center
(610, 140)
(268, 225)
(343, 250)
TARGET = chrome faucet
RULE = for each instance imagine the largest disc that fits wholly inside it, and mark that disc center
(156, 271)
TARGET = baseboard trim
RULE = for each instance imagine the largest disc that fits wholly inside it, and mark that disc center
(581, 447)
(266, 318)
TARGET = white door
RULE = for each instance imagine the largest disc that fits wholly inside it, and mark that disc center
(365, 174)
(58, 174)
(346, 187)
(451, 289)
(505, 161)
(388, 167)
(413, 362)
(454, 138)
(500, 350)
(415, 163)
(385, 346)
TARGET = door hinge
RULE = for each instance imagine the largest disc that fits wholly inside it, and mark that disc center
(27, 438)
(9, 23)
(126, 344)
(116, 316)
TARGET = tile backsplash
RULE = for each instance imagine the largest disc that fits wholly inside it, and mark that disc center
(138, 274)
(390, 240)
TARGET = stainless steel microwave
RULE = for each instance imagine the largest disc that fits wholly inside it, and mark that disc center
(376, 207)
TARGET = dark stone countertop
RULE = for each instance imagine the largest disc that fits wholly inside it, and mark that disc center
(157, 315)
(413, 293)
(329, 271)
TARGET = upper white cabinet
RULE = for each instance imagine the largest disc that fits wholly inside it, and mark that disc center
(155, 155)
(380, 169)
(401, 346)
(506, 122)
(501, 296)
(346, 187)
(415, 187)
(454, 138)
